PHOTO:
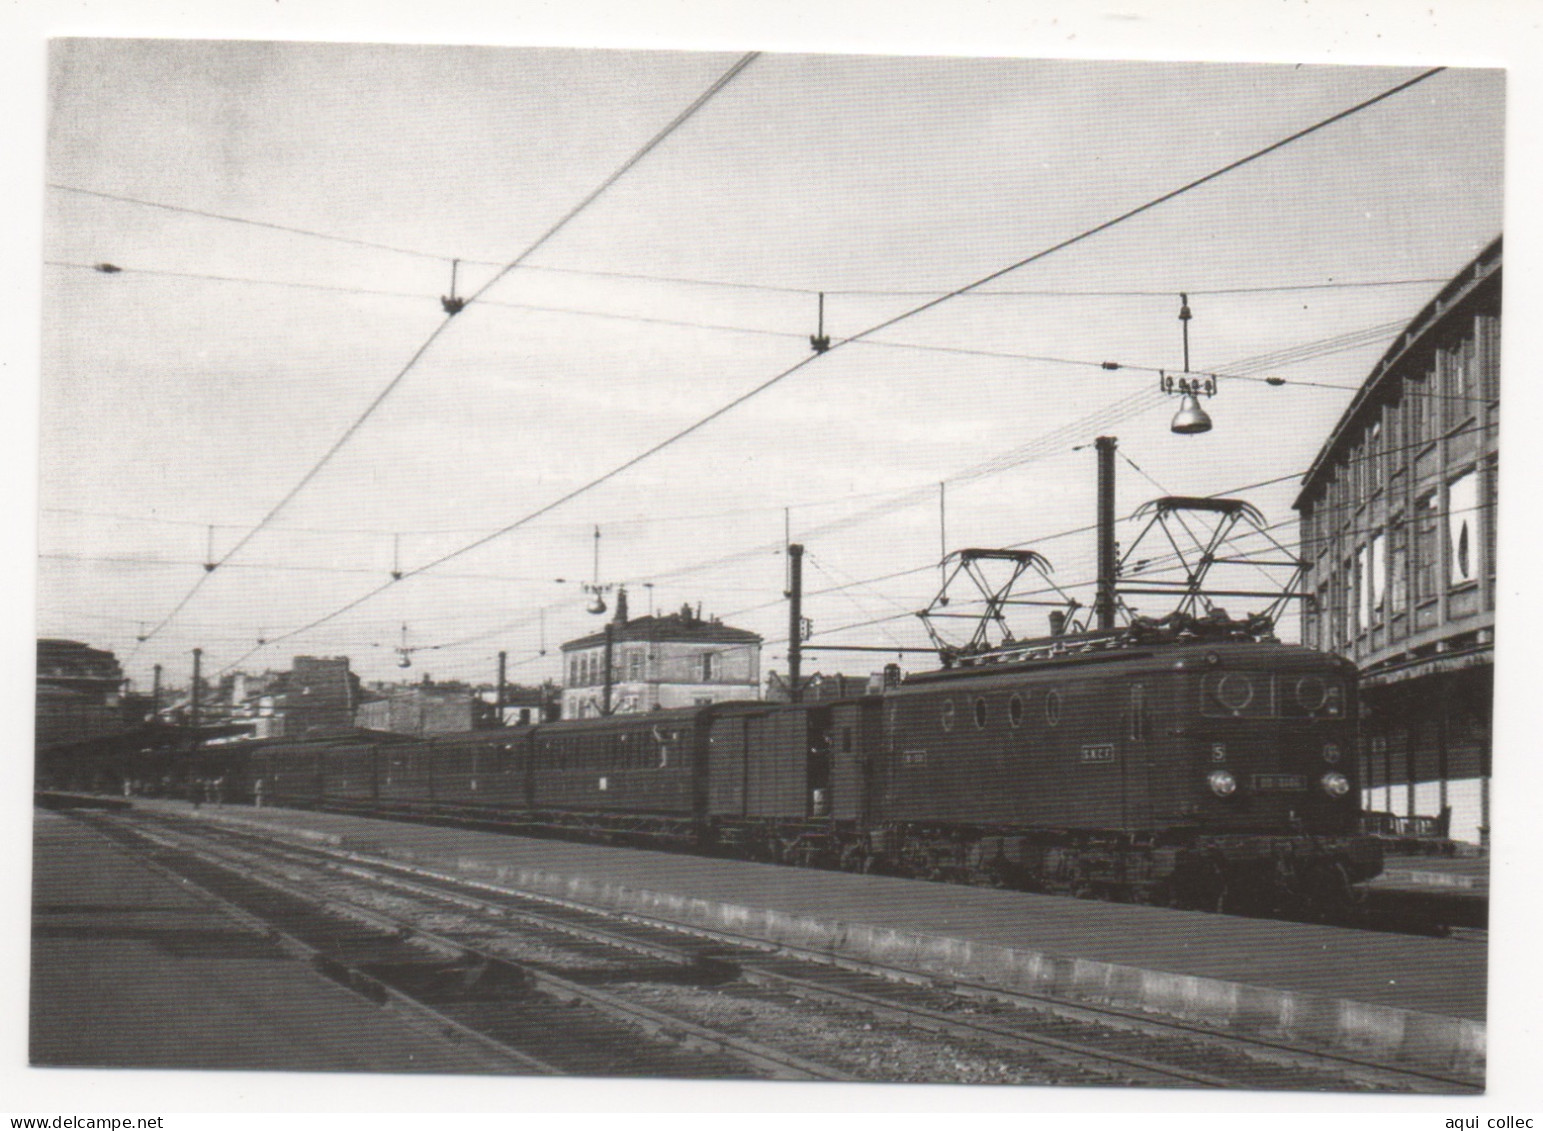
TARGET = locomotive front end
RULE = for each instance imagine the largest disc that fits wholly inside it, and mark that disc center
(1270, 740)
(1267, 737)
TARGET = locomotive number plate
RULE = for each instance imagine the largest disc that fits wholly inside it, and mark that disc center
(1104, 752)
(913, 758)
(1278, 781)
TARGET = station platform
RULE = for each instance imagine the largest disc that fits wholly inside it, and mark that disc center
(1415, 1000)
(1458, 876)
(130, 970)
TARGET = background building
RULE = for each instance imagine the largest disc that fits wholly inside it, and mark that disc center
(79, 692)
(428, 708)
(1398, 516)
(679, 660)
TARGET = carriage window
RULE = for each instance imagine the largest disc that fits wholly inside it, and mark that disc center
(980, 714)
(947, 717)
(1053, 707)
(1015, 710)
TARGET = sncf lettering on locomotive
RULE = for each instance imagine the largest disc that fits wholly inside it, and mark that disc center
(1100, 752)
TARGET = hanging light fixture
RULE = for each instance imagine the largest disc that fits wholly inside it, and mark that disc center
(596, 591)
(1191, 419)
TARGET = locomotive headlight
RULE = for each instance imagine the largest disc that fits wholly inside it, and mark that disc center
(1224, 784)
(1335, 785)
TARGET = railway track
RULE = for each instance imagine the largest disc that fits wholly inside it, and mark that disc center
(1369, 908)
(667, 1000)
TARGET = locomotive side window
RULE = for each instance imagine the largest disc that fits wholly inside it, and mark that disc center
(980, 713)
(1053, 707)
(947, 717)
(1015, 710)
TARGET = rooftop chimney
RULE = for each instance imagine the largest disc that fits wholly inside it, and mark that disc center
(621, 606)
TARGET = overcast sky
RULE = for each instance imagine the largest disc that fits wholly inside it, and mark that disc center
(198, 386)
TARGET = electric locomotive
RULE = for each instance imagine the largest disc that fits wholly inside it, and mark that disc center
(1192, 760)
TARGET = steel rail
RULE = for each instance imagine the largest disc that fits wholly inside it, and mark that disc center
(655, 1023)
(495, 1055)
(1274, 1051)
(1068, 1053)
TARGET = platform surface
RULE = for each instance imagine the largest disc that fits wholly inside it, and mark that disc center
(1455, 876)
(1439, 976)
(130, 970)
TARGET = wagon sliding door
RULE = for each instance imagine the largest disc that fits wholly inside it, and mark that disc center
(776, 748)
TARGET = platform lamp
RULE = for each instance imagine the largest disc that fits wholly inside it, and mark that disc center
(1191, 419)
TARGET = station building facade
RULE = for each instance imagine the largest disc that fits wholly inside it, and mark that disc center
(659, 662)
(1398, 519)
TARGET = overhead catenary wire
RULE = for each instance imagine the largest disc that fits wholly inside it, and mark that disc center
(1035, 541)
(1254, 366)
(878, 327)
(1152, 563)
(731, 284)
(638, 155)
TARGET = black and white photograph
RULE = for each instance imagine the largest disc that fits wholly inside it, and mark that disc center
(740, 566)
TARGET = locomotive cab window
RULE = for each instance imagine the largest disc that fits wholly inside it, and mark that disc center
(947, 714)
(980, 713)
(1235, 695)
(1015, 710)
(1317, 695)
(1053, 707)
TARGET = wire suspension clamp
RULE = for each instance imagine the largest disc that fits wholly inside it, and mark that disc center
(450, 302)
(820, 340)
